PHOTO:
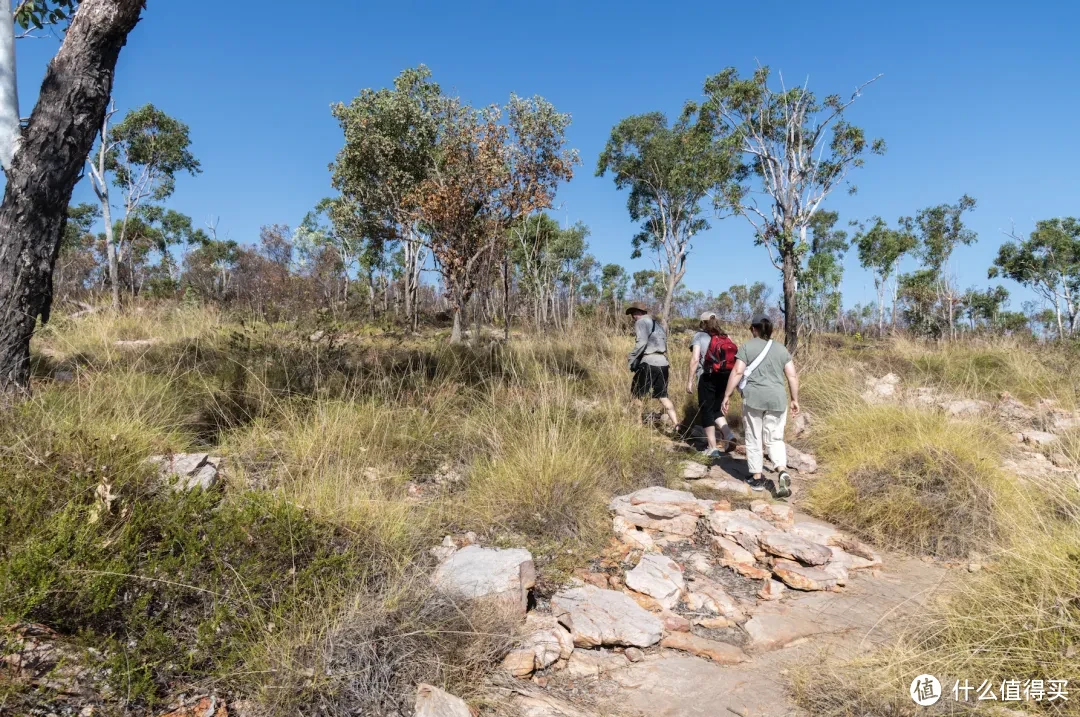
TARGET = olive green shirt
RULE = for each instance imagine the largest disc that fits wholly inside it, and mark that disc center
(766, 388)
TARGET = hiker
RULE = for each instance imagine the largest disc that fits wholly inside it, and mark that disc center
(761, 367)
(712, 358)
(649, 360)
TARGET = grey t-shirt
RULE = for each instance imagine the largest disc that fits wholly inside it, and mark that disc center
(651, 342)
(766, 389)
(701, 339)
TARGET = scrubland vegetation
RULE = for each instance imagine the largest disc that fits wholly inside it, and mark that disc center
(350, 456)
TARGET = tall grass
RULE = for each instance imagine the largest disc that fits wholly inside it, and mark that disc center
(919, 482)
(345, 460)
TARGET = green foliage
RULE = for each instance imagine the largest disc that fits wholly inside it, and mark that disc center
(822, 272)
(1048, 262)
(940, 229)
(146, 151)
(668, 170)
(173, 585)
(80, 220)
(38, 13)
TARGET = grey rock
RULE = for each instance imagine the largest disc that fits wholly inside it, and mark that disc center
(693, 471)
(802, 577)
(792, 547)
(659, 577)
(433, 702)
(597, 617)
(800, 460)
(475, 572)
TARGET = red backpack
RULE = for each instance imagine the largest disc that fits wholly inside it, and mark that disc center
(721, 354)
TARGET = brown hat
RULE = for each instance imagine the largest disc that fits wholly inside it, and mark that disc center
(637, 306)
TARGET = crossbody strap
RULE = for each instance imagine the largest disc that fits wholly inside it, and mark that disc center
(759, 358)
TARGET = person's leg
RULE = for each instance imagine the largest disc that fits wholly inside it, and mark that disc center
(773, 424)
(710, 437)
(707, 409)
(660, 391)
(773, 429)
(753, 430)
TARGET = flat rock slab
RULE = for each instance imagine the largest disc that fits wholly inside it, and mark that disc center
(584, 664)
(687, 686)
(802, 577)
(537, 704)
(605, 617)
(780, 515)
(659, 577)
(792, 547)
(774, 626)
(476, 572)
(721, 653)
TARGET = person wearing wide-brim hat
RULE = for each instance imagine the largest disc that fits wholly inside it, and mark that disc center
(768, 372)
(648, 361)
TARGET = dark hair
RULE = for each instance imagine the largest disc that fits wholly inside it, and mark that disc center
(763, 324)
(712, 327)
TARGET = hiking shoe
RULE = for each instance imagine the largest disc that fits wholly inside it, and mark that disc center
(713, 453)
(758, 485)
(783, 485)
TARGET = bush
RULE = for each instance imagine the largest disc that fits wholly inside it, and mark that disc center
(913, 480)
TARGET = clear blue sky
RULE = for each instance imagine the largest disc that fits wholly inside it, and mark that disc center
(977, 97)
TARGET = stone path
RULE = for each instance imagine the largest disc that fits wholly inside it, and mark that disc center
(732, 632)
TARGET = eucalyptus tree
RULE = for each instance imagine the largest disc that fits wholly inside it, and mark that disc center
(493, 167)
(822, 271)
(939, 230)
(880, 250)
(46, 157)
(390, 149)
(799, 148)
(142, 154)
(614, 283)
(670, 171)
(1048, 263)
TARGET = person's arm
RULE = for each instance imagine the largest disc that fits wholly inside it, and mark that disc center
(732, 382)
(695, 356)
(793, 384)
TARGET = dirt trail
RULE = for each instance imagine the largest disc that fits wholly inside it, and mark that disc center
(777, 637)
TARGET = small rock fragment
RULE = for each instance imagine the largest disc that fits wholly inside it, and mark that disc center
(771, 590)
(634, 654)
(519, 663)
(732, 552)
(433, 702)
(693, 471)
(780, 515)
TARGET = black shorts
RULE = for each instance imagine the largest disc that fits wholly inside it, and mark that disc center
(710, 396)
(650, 380)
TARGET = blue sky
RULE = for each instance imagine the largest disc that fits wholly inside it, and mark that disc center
(976, 97)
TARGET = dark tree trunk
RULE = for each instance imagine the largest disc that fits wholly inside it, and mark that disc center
(47, 164)
(791, 311)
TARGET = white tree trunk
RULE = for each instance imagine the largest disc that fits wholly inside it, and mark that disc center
(9, 94)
